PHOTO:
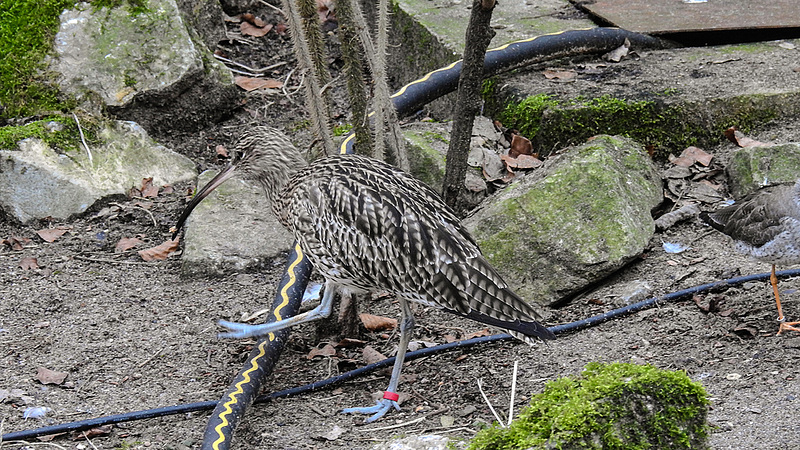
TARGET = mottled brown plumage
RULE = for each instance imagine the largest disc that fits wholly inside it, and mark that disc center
(366, 226)
(766, 226)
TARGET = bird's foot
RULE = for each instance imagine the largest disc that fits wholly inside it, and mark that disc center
(379, 410)
(245, 330)
(788, 326)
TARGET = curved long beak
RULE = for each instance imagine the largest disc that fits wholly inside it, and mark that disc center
(215, 182)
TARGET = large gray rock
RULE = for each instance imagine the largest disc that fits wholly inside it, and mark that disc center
(584, 216)
(141, 66)
(37, 182)
(232, 230)
(752, 168)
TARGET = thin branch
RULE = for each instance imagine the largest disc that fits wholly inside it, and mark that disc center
(83, 140)
(513, 392)
(491, 408)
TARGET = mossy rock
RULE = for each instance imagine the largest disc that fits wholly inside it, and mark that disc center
(610, 406)
(581, 217)
(752, 168)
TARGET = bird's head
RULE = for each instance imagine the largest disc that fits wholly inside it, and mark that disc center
(263, 154)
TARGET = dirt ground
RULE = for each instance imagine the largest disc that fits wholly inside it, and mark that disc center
(134, 335)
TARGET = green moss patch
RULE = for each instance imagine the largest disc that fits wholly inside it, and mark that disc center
(59, 132)
(553, 123)
(27, 28)
(610, 406)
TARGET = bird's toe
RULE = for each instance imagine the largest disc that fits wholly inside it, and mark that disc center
(378, 410)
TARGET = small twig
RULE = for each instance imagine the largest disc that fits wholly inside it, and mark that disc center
(89, 441)
(251, 69)
(146, 361)
(111, 261)
(410, 422)
(513, 392)
(32, 444)
(273, 7)
(58, 285)
(491, 408)
(83, 140)
(152, 217)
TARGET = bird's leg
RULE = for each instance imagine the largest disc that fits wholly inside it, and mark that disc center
(784, 326)
(773, 279)
(390, 396)
(243, 330)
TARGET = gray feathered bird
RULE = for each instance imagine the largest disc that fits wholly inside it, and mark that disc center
(367, 226)
(766, 226)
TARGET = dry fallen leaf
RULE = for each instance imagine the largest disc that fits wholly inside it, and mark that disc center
(371, 355)
(160, 252)
(16, 243)
(252, 19)
(47, 376)
(738, 138)
(691, 155)
(377, 323)
(51, 234)
(148, 190)
(251, 84)
(104, 430)
(618, 53)
(520, 145)
(249, 29)
(326, 350)
(479, 333)
(333, 434)
(522, 162)
(563, 75)
(28, 263)
(126, 244)
(222, 151)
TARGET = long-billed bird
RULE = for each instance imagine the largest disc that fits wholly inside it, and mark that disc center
(766, 226)
(367, 226)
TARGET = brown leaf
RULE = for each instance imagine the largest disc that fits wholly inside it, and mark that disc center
(563, 75)
(51, 234)
(325, 10)
(126, 244)
(249, 29)
(350, 342)
(148, 190)
(520, 145)
(691, 155)
(16, 243)
(160, 252)
(327, 350)
(47, 376)
(479, 333)
(251, 84)
(377, 323)
(371, 355)
(222, 151)
(104, 430)
(281, 28)
(738, 138)
(252, 19)
(28, 263)
(522, 162)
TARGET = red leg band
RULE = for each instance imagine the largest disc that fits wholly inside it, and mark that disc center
(391, 396)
